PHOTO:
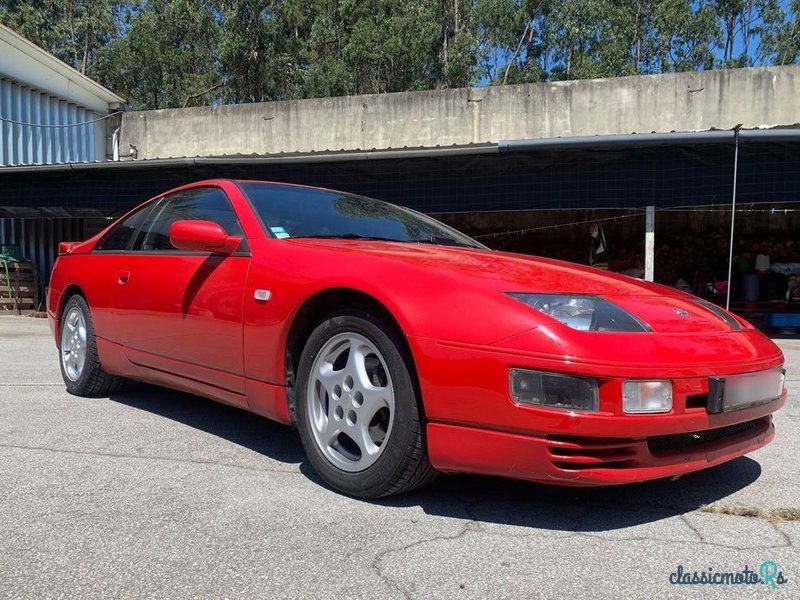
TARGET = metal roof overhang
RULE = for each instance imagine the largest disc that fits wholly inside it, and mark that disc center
(614, 171)
(311, 157)
(597, 142)
(675, 138)
(23, 61)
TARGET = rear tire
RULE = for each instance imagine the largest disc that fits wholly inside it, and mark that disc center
(80, 364)
(357, 408)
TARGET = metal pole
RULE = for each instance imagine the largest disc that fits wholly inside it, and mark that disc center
(733, 213)
(649, 242)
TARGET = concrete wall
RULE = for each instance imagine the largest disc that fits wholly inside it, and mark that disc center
(653, 103)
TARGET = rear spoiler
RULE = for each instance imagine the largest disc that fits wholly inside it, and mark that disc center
(66, 247)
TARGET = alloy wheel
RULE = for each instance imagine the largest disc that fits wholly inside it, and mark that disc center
(351, 401)
(73, 344)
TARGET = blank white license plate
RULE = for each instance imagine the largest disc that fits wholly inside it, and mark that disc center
(734, 392)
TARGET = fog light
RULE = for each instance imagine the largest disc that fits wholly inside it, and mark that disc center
(647, 396)
(553, 390)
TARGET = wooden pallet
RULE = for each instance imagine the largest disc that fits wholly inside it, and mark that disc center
(20, 291)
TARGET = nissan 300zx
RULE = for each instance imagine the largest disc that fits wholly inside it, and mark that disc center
(400, 347)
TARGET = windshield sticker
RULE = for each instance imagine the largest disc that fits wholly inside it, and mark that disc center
(279, 232)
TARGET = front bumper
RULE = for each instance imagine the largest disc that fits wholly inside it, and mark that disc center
(586, 461)
(475, 426)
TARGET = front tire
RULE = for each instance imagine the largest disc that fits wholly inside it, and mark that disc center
(357, 408)
(80, 364)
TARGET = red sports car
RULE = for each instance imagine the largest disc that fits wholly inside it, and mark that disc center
(400, 347)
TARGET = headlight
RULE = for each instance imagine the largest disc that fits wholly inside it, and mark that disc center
(646, 396)
(582, 312)
(553, 390)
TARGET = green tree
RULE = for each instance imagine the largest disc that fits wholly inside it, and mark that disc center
(684, 36)
(537, 40)
(744, 22)
(459, 43)
(73, 30)
(515, 40)
(260, 49)
(581, 32)
(666, 35)
(781, 43)
(168, 57)
(374, 46)
(160, 53)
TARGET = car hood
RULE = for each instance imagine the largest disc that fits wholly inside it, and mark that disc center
(664, 309)
(501, 270)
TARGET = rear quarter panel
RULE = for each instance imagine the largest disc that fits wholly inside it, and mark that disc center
(90, 275)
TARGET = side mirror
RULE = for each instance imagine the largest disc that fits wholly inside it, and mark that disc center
(202, 236)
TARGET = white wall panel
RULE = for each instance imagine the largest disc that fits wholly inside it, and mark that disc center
(37, 128)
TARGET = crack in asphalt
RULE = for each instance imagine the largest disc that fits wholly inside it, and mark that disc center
(466, 528)
(150, 457)
(692, 528)
(787, 540)
(473, 526)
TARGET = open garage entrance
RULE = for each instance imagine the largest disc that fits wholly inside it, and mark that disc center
(555, 198)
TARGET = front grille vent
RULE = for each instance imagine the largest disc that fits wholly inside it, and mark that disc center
(578, 453)
(678, 441)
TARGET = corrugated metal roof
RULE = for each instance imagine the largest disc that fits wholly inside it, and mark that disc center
(789, 133)
(37, 128)
(62, 76)
(715, 136)
(295, 157)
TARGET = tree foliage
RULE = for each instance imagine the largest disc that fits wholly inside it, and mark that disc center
(73, 30)
(161, 53)
(782, 41)
(167, 57)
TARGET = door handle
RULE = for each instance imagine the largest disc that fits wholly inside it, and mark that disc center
(122, 277)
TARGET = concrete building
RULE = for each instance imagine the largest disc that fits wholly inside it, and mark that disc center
(677, 102)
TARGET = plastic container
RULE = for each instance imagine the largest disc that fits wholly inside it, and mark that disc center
(782, 319)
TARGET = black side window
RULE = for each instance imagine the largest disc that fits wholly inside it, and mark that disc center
(206, 204)
(120, 235)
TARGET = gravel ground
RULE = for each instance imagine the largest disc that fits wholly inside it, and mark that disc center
(158, 494)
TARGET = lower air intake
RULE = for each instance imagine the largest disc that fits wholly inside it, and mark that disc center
(677, 441)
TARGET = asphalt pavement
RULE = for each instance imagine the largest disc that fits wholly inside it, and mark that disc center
(157, 494)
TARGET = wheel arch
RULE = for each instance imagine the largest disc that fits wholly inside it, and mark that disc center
(70, 290)
(324, 303)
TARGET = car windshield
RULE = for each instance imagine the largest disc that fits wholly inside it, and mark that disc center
(298, 212)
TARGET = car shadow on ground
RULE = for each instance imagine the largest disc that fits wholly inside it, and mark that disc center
(596, 509)
(240, 427)
(483, 499)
